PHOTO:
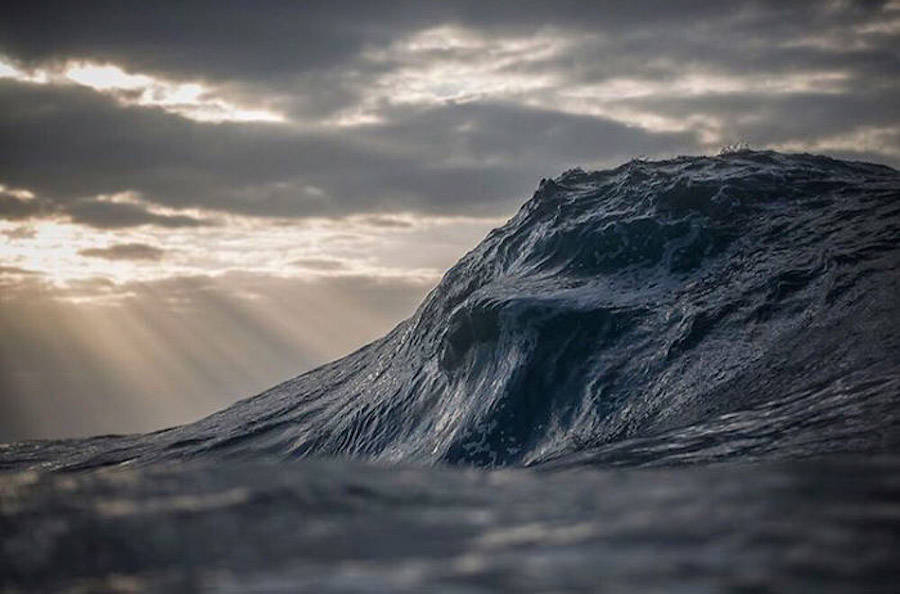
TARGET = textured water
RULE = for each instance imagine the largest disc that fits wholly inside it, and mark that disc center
(675, 375)
(316, 526)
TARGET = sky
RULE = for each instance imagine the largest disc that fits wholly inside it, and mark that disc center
(200, 200)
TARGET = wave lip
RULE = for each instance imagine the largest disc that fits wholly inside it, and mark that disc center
(617, 307)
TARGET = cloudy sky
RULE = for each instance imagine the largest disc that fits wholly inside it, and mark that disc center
(200, 200)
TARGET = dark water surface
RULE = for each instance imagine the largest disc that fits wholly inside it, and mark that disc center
(324, 526)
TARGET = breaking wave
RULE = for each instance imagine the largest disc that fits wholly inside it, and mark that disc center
(689, 310)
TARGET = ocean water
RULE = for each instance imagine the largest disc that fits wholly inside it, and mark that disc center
(823, 525)
(680, 375)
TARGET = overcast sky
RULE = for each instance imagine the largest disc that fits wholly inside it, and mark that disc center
(200, 200)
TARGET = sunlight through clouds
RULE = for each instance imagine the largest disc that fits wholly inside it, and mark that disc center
(452, 64)
(190, 100)
(106, 77)
(38, 76)
(65, 253)
(17, 193)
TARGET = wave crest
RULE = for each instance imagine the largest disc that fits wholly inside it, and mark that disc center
(615, 307)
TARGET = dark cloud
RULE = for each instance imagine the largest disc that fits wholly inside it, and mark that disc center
(22, 232)
(87, 286)
(319, 264)
(480, 156)
(409, 163)
(125, 251)
(764, 119)
(93, 213)
(387, 222)
(211, 39)
(13, 208)
(206, 39)
(116, 215)
(15, 270)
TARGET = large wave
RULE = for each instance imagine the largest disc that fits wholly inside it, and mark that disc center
(691, 309)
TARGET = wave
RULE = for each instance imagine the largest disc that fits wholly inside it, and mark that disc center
(694, 309)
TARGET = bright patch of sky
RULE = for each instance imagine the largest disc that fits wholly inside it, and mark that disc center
(64, 254)
(192, 100)
(449, 64)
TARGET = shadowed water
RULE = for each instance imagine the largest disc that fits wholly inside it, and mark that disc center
(331, 526)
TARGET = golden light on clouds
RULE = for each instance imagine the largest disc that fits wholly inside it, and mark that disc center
(146, 327)
(64, 253)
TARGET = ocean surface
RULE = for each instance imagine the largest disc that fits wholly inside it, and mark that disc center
(679, 375)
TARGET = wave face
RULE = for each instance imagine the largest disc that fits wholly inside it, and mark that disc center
(700, 308)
